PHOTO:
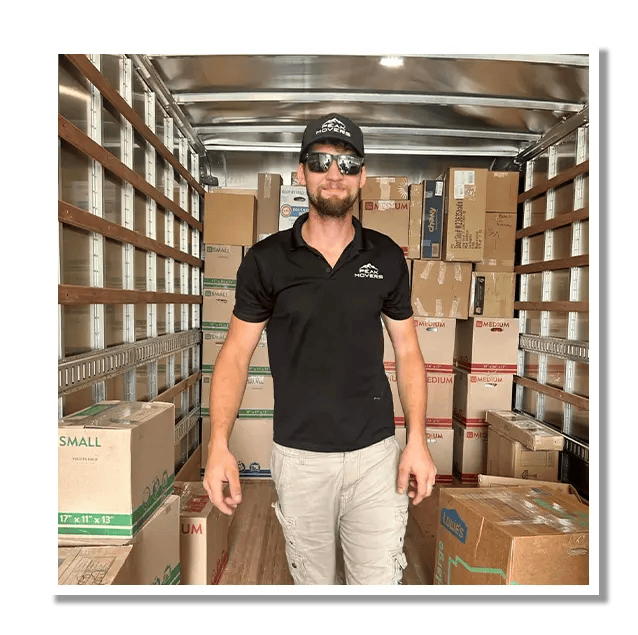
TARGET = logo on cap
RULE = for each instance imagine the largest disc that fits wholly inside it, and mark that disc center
(333, 125)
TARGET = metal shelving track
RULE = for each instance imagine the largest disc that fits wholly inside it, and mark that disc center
(567, 349)
(86, 369)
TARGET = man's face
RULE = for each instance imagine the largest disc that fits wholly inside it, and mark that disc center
(331, 193)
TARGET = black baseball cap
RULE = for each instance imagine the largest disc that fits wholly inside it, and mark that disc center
(332, 127)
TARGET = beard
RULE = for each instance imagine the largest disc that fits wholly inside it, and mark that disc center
(332, 207)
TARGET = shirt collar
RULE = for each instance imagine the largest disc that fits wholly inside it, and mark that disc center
(361, 239)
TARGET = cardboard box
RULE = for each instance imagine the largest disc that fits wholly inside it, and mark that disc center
(268, 193)
(415, 193)
(391, 218)
(217, 308)
(293, 202)
(464, 226)
(469, 456)
(94, 565)
(154, 557)
(511, 535)
(229, 218)
(433, 219)
(440, 444)
(500, 243)
(251, 444)
(475, 394)
(220, 266)
(502, 191)
(492, 294)
(506, 457)
(533, 434)
(489, 480)
(115, 467)
(436, 340)
(203, 547)
(440, 399)
(487, 345)
(212, 343)
(385, 187)
(259, 398)
(441, 289)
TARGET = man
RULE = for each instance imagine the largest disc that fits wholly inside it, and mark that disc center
(322, 288)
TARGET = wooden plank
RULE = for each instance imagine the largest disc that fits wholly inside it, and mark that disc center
(554, 265)
(172, 392)
(556, 393)
(190, 471)
(559, 221)
(69, 294)
(566, 306)
(86, 145)
(559, 179)
(89, 70)
(76, 217)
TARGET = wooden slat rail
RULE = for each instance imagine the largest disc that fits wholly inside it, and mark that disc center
(86, 145)
(566, 306)
(170, 393)
(556, 181)
(556, 393)
(69, 294)
(89, 70)
(553, 265)
(76, 217)
(559, 221)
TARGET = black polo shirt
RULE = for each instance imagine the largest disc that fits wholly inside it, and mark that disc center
(325, 339)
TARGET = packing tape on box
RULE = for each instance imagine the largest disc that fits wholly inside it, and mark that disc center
(455, 306)
(441, 276)
(458, 272)
(420, 309)
(438, 311)
(426, 270)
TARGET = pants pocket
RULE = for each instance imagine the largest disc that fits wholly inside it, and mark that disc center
(296, 560)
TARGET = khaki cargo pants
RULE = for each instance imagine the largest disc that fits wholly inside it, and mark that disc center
(341, 515)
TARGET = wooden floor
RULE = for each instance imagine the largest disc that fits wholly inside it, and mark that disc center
(256, 550)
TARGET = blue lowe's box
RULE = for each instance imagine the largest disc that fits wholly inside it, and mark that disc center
(432, 220)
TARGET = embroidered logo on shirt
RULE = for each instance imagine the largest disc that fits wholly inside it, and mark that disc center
(368, 271)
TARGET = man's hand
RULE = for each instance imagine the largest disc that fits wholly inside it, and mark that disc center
(221, 468)
(416, 472)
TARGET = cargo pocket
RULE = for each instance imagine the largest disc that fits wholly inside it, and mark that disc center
(399, 563)
(398, 559)
(296, 560)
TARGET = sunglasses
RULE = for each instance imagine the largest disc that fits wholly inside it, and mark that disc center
(348, 164)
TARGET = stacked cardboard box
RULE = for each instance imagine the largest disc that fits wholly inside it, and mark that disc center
(520, 447)
(512, 534)
(115, 484)
(203, 535)
(277, 207)
(385, 207)
(436, 339)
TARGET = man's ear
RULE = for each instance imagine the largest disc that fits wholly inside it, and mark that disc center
(301, 176)
(362, 181)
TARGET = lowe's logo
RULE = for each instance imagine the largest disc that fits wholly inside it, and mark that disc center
(86, 442)
(451, 520)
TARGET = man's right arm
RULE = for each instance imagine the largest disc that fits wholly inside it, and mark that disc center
(228, 384)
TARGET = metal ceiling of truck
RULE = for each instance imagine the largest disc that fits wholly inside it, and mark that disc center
(471, 105)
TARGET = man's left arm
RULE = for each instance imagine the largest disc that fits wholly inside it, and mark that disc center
(416, 462)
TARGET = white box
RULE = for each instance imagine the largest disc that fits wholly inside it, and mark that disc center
(293, 202)
(469, 457)
(475, 394)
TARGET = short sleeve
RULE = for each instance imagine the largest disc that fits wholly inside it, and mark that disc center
(253, 300)
(397, 305)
